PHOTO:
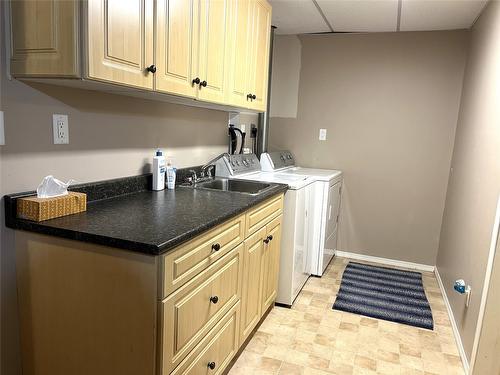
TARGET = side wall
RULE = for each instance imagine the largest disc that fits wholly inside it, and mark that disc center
(474, 182)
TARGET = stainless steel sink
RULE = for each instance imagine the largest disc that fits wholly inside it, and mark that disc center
(239, 186)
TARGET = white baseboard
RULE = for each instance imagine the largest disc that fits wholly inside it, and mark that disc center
(390, 262)
(454, 327)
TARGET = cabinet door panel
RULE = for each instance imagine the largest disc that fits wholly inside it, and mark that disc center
(258, 76)
(44, 38)
(177, 27)
(120, 41)
(214, 26)
(251, 293)
(239, 53)
(271, 263)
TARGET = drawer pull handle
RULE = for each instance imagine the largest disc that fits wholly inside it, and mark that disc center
(211, 365)
(216, 247)
(214, 299)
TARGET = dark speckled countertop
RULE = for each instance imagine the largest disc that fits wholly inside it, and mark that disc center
(143, 221)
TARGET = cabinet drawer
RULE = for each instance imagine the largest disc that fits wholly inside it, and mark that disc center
(218, 347)
(263, 214)
(190, 259)
(191, 311)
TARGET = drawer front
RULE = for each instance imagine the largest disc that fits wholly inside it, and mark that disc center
(182, 264)
(192, 310)
(217, 348)
(263, 214)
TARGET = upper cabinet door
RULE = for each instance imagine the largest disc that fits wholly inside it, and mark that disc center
(214, 28)
(177, 29)
(120, 42)
(44, 38)
(258, 76)
(239, 53)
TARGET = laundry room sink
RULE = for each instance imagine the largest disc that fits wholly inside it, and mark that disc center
(238, 186)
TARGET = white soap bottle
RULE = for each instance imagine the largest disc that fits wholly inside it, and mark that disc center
(159, 171)
(171, 174)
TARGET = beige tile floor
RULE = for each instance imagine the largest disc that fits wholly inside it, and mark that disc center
(312, 339)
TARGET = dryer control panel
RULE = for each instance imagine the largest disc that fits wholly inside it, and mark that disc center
(273, 161)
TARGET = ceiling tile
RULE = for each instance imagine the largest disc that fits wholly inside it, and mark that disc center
(297, 17)
(419, 15)
(361, 15)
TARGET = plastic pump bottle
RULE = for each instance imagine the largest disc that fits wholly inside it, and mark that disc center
(159, 171)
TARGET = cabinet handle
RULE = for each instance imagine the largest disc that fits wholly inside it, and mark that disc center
(151, 68)
(203, 84)
(196, 81)
(216, 247)
(211, 365)
(214, 299)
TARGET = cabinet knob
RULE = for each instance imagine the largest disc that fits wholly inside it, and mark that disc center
(254, 97)
(151, 68)
(203, 83)
(211, 365)
(270, 237)
(216, 247)
(266, 240)
(214, 299)
(249, 96)
(196, 81)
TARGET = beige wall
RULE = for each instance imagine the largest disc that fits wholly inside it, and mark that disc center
(110, 136)
(390, 105)
(474, 183)
(285, 79)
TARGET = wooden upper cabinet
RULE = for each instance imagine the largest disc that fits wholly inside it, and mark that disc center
(120, 41)
(212, 60)
(177, 31)
(44, 38)
(260, 35)
(239, 53)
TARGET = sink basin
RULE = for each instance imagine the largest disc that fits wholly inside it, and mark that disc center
(239, 186)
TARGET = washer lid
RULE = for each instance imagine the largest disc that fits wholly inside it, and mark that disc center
(294, 182)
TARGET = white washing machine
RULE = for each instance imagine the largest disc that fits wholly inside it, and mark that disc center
(296, 226)
(325, 206)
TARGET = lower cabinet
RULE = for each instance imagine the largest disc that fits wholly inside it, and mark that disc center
(208, 318)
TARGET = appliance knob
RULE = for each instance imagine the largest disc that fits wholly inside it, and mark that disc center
(282, 157)
(245, 162)
(151, 68)
(237, 163)
(196, 81)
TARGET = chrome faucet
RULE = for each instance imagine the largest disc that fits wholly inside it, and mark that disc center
(211, 162)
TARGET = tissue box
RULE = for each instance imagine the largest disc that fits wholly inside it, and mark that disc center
(39, 209)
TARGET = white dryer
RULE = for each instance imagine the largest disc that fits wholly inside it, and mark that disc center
(325, 206)
(296, 227)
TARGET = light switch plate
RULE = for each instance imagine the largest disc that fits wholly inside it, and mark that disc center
(60, 129)
(322, 134)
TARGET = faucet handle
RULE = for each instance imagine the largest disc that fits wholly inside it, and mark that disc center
(209, 170)
(193, 175)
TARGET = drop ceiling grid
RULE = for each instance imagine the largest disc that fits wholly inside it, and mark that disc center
(319, 16)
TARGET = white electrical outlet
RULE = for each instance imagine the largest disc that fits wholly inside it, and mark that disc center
(322, 134)
(60, 129)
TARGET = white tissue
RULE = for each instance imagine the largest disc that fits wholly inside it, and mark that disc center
(52, 187)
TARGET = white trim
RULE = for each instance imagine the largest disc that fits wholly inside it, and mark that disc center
(486, 285)
(456, 333)
(390, 262)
